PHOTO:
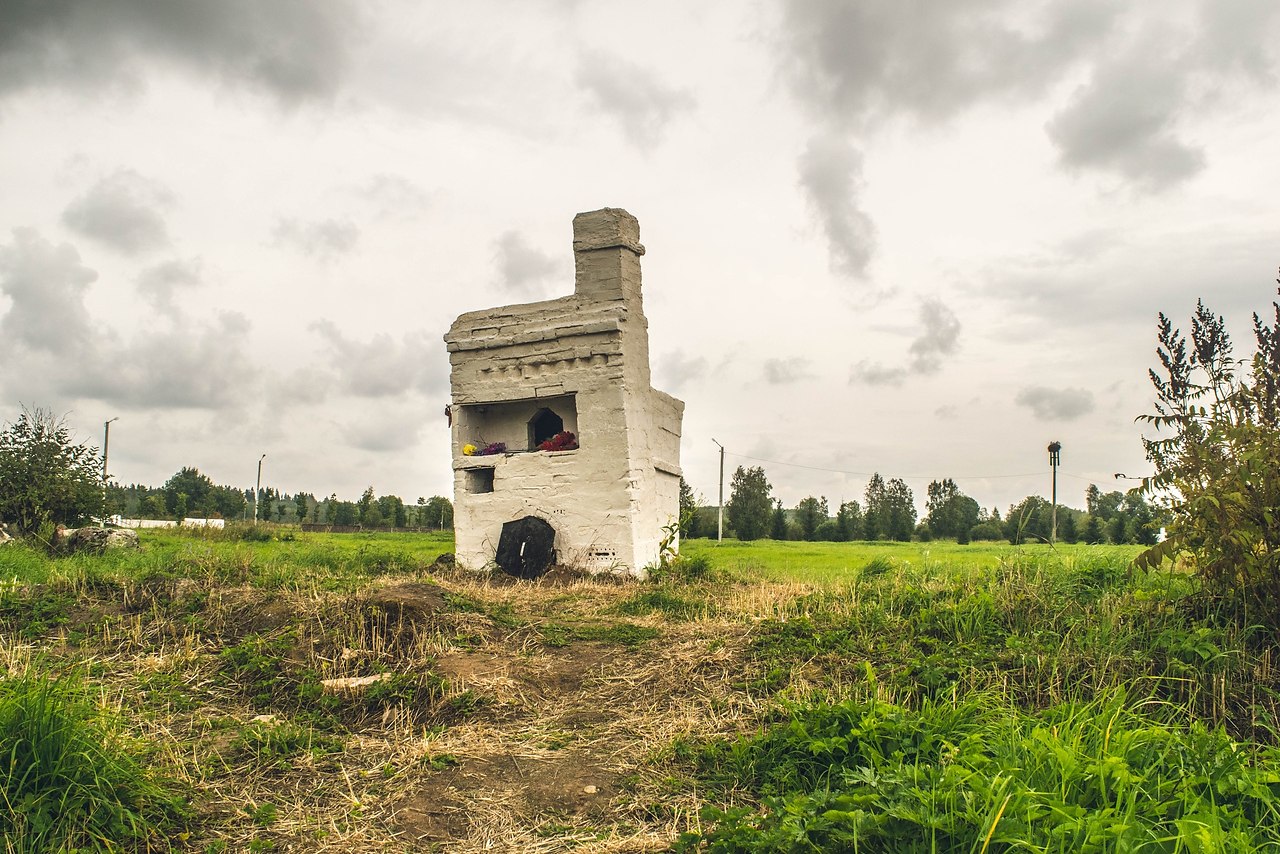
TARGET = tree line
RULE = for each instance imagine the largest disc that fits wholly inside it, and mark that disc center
(189, 493)
(888, 512)
(48, 479)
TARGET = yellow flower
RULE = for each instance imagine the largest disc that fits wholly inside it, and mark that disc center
(468, 449)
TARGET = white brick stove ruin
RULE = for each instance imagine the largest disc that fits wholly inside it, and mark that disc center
(579, 364)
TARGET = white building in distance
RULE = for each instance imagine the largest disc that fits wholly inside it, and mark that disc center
(571, 375)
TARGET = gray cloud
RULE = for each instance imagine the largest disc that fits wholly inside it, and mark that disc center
(523, 268)
(831, 176)
(642, 103)
(383, 367)
(160, 284)
(1124, 121)
(393, 197)
(939, 337)
(323, 240)
(852, 62)
(294, 50)
(51, 343)
(877, 373)
(46, 285)
(122, 211)
(1150, 72)
(1056, 404)
(676, 369)
(787, 371)
(393, 429)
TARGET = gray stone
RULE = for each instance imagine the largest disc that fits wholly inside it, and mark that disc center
(93, 540)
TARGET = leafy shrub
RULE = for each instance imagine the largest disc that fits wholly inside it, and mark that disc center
(45, 479)
(67, 782)
(1220, 466)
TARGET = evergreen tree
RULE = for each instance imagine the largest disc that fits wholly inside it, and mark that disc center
(749, 504)
(778, 531)
(849, 521)
(873, 521)
(810, 513)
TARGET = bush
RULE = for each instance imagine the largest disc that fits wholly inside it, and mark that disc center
(66, 782)
(44, 478)
(1220, 466)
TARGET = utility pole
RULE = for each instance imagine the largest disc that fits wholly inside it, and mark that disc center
(1055, 449)
(720, 508)
(257, 490)
(106, 442)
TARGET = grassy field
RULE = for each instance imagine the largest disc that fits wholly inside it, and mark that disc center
(837, 563)
(309, 692)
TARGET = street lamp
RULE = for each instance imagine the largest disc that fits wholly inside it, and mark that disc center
(1055, 448)
(720, 508)
(106, 442)
(257, 490)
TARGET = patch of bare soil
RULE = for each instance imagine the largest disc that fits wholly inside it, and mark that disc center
(541, 789)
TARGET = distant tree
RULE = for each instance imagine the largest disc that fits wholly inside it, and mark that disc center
(874, 522)
(365, 507)
(1028, 521)
(189, 482)
(345, 513)
(1104, 505)
(688, 511)
(951, 513)
(1068, 531)
(155, 507)
(45, 477)
(778, 529)
(1093, 533)
(439, 512)
(810, 513)
(899, 511)
(749, 504)
(300, 506)
(849, 521)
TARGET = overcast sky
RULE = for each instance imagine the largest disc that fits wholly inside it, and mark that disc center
(918, 238)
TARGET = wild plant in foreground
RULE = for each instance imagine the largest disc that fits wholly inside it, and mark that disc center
(977, 776)
(67, 784)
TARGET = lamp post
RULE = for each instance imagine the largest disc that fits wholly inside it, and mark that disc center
(106, 442)
(257, 490)
(1055, 448)
(720, 507)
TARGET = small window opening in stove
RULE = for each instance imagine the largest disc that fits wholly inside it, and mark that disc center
(480, 480)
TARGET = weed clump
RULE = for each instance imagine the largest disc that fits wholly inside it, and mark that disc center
(67, 782)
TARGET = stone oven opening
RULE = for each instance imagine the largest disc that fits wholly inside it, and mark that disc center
(544, 425)
(480, 480)
(526, 548)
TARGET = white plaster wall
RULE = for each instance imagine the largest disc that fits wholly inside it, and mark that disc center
(609, 499)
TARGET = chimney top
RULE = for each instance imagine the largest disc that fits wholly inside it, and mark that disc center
(607, 228)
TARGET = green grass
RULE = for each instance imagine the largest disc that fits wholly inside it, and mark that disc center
(976, 775)
(290, 559)
(68, 782)
(834, 563)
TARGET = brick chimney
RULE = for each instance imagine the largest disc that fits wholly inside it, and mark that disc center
(606, 255)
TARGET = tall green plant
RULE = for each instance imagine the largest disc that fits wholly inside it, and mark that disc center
(65, 782)
(1220, 462)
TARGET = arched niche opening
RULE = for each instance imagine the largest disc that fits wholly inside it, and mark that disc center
(544, 425)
